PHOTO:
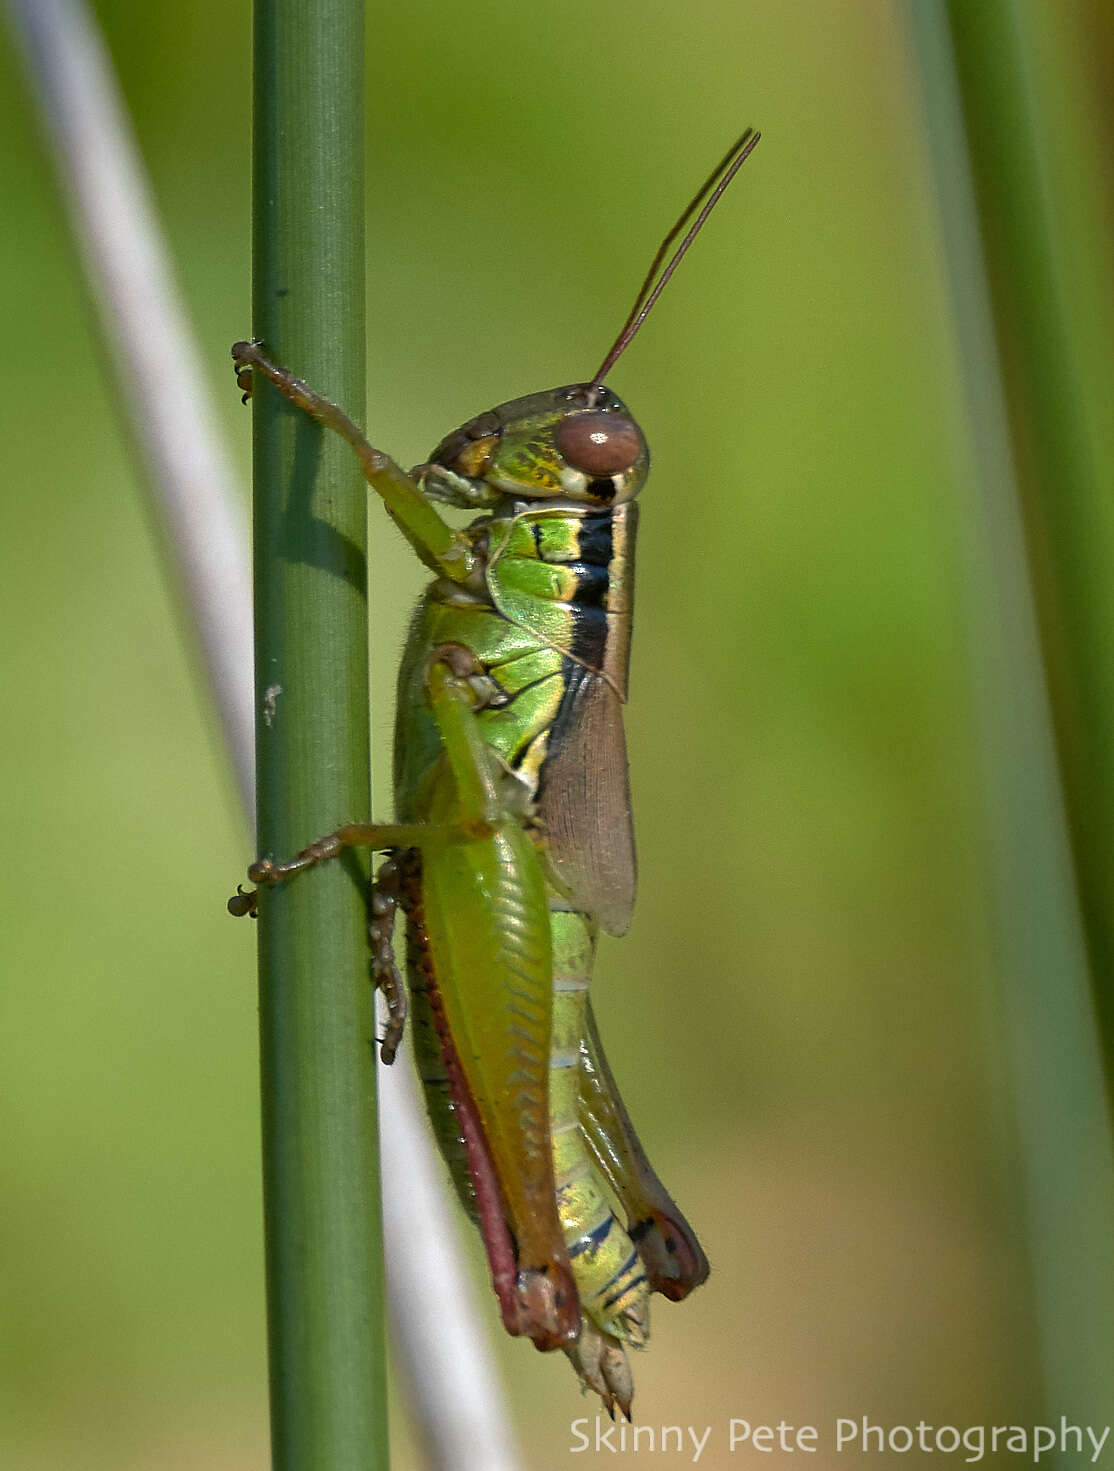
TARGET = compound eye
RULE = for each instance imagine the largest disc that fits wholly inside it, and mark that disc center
(599, 444)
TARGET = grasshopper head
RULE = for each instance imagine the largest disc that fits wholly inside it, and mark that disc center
(578, 443)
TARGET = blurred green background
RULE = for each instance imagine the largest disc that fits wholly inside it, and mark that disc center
(808, 1016)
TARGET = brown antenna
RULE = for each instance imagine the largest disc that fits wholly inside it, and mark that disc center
(713, 186)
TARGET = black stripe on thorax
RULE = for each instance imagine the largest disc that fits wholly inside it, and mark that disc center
(595, 540)
(592, 583)
(585, 546)
(591, 540)
(590, 563)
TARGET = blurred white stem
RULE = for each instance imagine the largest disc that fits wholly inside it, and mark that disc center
(438, 1339)
(458, 1407)
(159, 371)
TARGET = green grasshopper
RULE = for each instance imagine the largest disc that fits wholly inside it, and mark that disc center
(513, 845)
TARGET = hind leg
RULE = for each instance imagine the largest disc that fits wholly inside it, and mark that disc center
(667, 1244)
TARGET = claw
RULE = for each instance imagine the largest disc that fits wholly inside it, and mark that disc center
(244, 901)
(242, 369)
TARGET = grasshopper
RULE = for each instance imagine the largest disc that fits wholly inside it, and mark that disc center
(513, 843)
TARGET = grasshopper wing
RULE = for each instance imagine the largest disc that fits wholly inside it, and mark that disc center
(584, 801)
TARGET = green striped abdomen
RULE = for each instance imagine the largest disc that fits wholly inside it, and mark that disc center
(609, 1275)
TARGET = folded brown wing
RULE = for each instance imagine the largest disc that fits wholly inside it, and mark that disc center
(584, 802)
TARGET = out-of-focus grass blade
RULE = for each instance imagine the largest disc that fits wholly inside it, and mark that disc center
(1065, 489)
(1049, 1019)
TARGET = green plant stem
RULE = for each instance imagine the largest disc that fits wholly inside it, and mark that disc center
(324, 1259)
(1047, 1011)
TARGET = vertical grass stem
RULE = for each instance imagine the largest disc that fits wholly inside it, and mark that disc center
(324, 1261)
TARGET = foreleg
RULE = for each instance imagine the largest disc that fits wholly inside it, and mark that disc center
(442, 549)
